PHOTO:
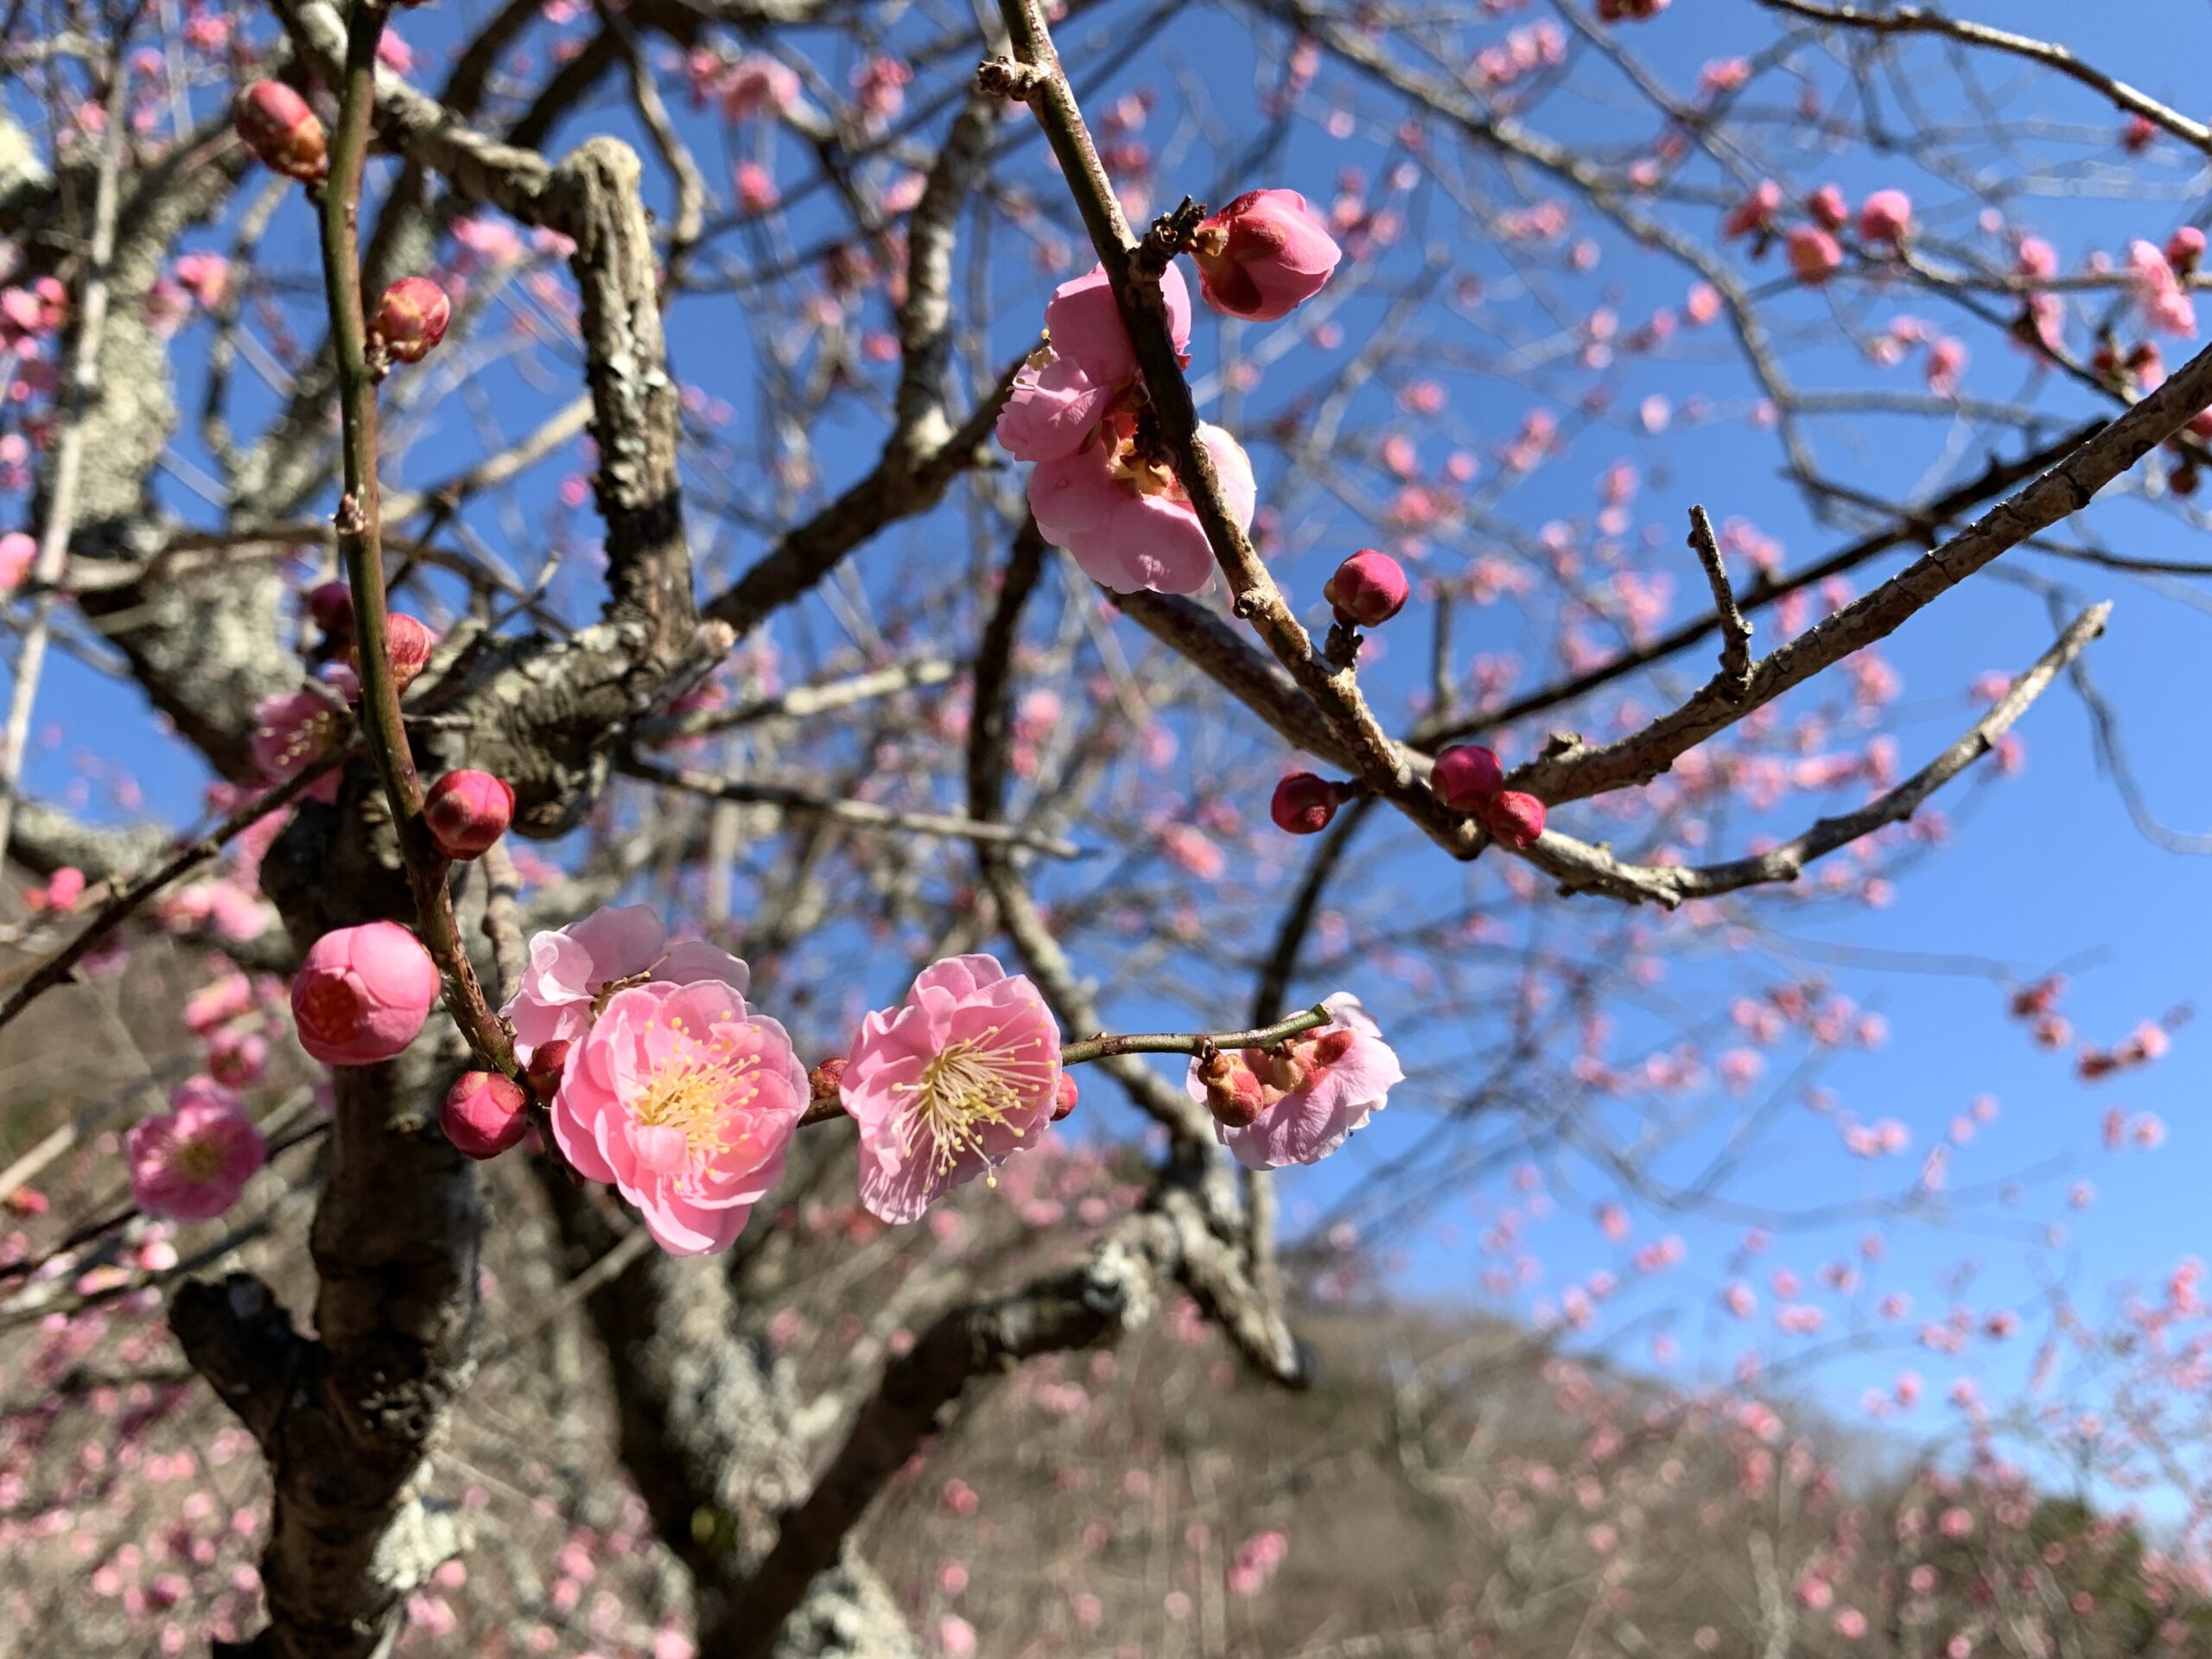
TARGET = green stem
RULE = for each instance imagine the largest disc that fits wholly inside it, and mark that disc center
(360, 541)
(1195, 1043)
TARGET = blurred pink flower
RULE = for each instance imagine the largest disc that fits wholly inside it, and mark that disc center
(191, 1162)
(947, 1085)
(683, 1100)
(571, 967)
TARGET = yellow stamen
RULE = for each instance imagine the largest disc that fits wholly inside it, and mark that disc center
(968, 1087)
(696, 1089)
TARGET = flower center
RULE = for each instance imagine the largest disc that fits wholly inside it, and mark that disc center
(330, 1009)
(199, 1161)
(967, 1088)
(694, 1094)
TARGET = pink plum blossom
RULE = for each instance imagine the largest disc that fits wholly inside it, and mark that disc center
(1263, 256)
(191, 1162)
(362, 993)
(949, 1084)
(1127, 518)
(572, 968)
(1315, 1093)
(683, 1100)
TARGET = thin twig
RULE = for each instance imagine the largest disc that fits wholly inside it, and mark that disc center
(1194, 1043)
(359, 537)
(1735, 631)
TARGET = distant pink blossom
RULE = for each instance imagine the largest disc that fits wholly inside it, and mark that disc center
(950, 1083)
(18, 552)
(191, 1162)
(683, 1100)
(1315, 1093)
(572, 968)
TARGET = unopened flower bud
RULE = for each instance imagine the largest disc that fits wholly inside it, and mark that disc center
(408, 643)
(1304, 803)
(1233, 1094)
(411, 319)
(1514, 818)
(1263, 256)
(362, 993)
(279, 128)
(1064, 1098)
(1367, 589)
(467, 811)
(2185, 251)
(1814, 255)
(483, 1113)
(331, 605)
(822, 1082)
(547, 1062)
(1885, 216)
(1827, 207)
(1466, 777)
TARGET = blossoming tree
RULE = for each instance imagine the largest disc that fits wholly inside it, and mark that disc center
(638, 883)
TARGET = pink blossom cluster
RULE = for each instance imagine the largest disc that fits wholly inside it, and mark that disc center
(1105, 486)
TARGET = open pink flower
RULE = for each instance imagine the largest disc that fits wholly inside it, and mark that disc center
(684, 1101)
(1315, 1093)
(950, 1083)
(1074, 382)
(294, 729)
(572, 968)
(191, 1162)
(1127, 518)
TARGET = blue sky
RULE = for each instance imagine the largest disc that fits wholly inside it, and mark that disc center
(2046, 869)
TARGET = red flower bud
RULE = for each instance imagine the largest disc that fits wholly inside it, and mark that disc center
(408, 643)
(1368, 588)
(411, 319)
(1814, 255)
(1514, 818)
(467, 812)
(547, 1062)
(280, 129)
(1827, 208)
(1304, 803)
(1466, 777)
(1064, 1101)
(331, 604)
(483, 1113)
(2185, 249)
(1885, 216)
(821, 1082)
(1263, 256)
(1233, 1094)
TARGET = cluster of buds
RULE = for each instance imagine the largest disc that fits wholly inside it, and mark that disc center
(1468, 779)
(466, 811)
(1241, 1084)
(277, 126)
(409, 321)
